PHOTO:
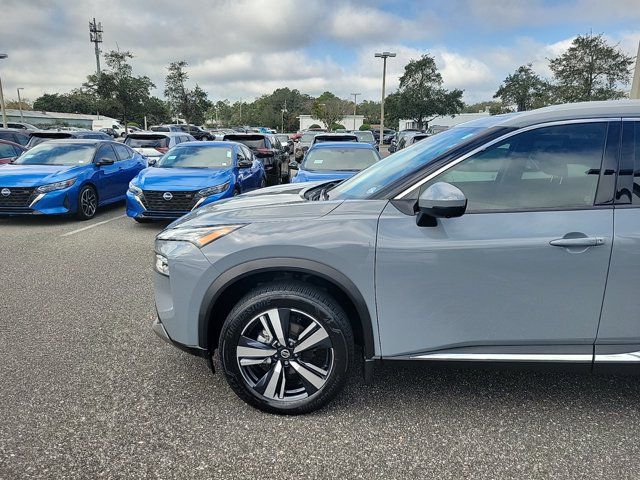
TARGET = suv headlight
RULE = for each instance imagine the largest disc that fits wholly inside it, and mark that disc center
(199, 236)
(135, 190)
(162, 264)
(56, 186)
(205, 192)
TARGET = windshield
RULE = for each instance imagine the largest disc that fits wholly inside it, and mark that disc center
(339, 159)
(252, 143)
(197, 157)
(283, 138)
(147, 141)
(365, 136)
(58, 154)
(307, 137)
(395, 166)
(38, 139)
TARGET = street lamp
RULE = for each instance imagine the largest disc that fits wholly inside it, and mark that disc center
(383, 56)
(20, 103)
(355, 104)
(4, 110)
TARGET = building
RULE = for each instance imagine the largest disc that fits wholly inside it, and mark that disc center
(446, 121)
(351, 122)
(47, 119)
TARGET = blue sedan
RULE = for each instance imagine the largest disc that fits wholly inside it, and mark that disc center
(334, 161)
(68, 177)
(193, 174)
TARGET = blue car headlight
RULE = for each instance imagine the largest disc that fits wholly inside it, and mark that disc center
(134, 189)
(206, 192)
(56, 186)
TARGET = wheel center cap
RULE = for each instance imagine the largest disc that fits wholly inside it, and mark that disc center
(284, 353)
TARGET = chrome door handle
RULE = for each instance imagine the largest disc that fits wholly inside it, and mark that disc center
(577, 242)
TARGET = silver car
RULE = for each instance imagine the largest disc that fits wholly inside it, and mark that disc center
(510, 239)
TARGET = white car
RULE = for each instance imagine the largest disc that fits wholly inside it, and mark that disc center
(155, 144)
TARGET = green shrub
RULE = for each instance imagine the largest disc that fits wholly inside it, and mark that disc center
(365, 126)
(337, 126)
(315, 125)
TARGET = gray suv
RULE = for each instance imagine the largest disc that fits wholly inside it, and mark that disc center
(511, 239)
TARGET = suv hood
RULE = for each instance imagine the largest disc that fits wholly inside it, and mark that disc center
(35, 175)
(280, 203)
(187, 179)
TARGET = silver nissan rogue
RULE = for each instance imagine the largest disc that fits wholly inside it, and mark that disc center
(510, 239)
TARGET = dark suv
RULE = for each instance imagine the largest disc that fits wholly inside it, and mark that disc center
(270, 151)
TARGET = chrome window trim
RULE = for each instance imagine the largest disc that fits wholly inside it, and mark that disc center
(628, 357)
(453, 163)
(507, 357)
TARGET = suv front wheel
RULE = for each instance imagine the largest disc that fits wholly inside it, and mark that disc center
(286, 347)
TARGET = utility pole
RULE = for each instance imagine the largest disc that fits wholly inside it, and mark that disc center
(20, 103)
(4, 110)
(384, 56)
(355, 104)
(635, 86)
(284, 110)
(95, 36)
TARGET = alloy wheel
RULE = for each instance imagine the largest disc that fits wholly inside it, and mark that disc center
(285, 354)
(88, 202)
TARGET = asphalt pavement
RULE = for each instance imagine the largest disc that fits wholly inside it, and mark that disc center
(89, 391)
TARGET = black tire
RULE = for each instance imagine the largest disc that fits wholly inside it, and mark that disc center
(85, 212)
(236, 192)
(142, 220)
(297, 391)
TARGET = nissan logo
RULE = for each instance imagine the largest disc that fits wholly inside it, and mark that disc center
(167, 196)
(5, 192)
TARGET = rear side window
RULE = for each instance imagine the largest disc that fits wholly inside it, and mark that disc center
(147, 141)
(160, 129)
(551, 167)
(6, 150)
(122, 151)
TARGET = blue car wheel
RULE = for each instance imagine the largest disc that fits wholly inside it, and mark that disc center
(87, 203)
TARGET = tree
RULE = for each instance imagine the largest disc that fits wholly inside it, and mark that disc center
(120, 93)
(329, 108)
(590, 69)
(523, 88)
(77, 101)
(421, 96)
(192, 105)
(25, 104)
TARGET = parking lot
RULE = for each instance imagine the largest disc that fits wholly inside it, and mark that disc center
(88, 390)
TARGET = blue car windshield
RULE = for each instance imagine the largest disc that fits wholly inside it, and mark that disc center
(196, 156)
(387, 170)
(339, 159)
(58, 154)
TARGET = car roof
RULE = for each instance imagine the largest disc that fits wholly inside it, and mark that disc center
(13, 144)
(17, 130)
(248, 136)
(361, 145)
(210, 143)
(81, 141)
(166, 134)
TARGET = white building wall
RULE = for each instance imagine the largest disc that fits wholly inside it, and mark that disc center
(351, 122)
(444, 121)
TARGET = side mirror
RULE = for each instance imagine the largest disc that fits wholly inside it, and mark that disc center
(294, 165)
(105, 161)
(440, 200)
(245, 163)
(152, 162)
(12, 159)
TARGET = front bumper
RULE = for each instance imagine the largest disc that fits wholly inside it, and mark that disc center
(58, 202)
(137, 209)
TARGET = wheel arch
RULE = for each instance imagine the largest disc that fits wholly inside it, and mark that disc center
(232, 284)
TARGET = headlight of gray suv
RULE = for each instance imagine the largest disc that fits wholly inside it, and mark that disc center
(205, 192)
(56, 186)
(199, 236)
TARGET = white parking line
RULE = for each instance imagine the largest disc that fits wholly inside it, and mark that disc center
(91, 226)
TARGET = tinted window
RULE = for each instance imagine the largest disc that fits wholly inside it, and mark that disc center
(6, 150)
(159, 129)
(58, 154)
(339, 159)
(194, 156)
(365, 136)
(122, 151)
(636, 168)
(147, 141)
(251, 143)
(551, 167)
(106, 151)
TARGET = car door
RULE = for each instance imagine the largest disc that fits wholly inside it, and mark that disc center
(255, 172)
(129, 165)
(521, 275)
(618, 339)
(107, 178)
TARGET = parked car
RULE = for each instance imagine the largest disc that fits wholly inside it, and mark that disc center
(41, 136)
(68, 176)
(334, 161)
(393, 146)
(303, 144)
(267, 148)
(494, 241)
(388, 136)
(154, 145)
(22, 126)
(192, 175)
(334, 137)
(176, 128)
(105, 122)
(376, 132)
(286, 141)
(110, 131)
(411, 138)
(9, 151)
(197, 132)
(366, 136)
(15, 135)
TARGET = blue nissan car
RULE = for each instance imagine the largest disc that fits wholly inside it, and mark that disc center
(190, 175)
(68, 176)
(334, 161)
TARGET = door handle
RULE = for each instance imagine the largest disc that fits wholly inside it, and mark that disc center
(577, 242)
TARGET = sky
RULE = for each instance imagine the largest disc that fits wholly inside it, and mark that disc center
(242, 49)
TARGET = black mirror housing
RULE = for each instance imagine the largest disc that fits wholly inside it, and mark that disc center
(245, 164)
(105, 161)
(294, 165)
(152, 162)
(440, 200)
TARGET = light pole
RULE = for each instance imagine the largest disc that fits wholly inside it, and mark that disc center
(20, 103)
(384, 56)
(355, 104)
(4, 110)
